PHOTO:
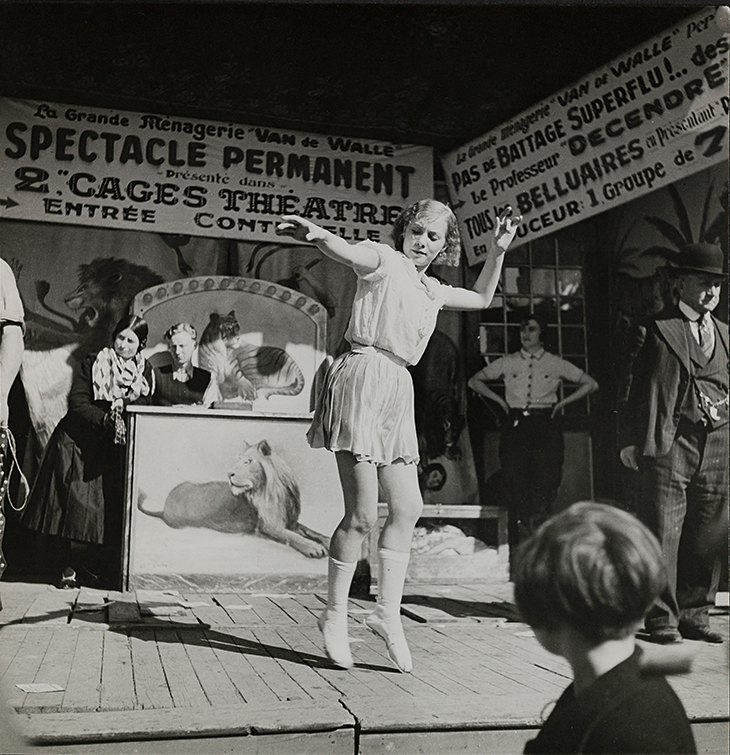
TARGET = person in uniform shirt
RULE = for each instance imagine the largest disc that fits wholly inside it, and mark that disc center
(531, 447)
(181, 382)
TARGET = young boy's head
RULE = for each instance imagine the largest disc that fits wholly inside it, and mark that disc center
(592, 567)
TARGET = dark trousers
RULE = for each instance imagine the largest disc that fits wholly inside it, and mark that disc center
(531, 453)
(683, 494)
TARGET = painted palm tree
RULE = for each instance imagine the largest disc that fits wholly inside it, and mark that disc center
(680, 235)
(639, 294)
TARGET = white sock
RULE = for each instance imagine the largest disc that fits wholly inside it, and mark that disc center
(385, 619)
(339, 579)
(391, 579)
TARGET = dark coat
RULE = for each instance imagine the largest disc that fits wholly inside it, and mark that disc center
(657, 383)
(621, 712)
(79, 489)
(169, 391)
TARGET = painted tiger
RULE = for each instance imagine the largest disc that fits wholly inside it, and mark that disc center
(439, 400)
(244, 371)
(439, 423)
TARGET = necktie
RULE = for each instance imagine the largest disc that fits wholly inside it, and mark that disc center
(705, 332)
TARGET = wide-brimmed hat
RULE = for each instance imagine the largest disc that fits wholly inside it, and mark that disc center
(701, 258)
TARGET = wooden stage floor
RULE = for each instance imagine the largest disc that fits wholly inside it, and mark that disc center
(172, 672)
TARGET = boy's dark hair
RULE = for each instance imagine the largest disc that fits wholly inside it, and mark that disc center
(430, 209)
(134, 323)
(593, 567)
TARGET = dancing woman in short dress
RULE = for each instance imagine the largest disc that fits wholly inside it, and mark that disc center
(365, 412)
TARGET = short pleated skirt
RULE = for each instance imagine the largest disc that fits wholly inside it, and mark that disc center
(366, 408)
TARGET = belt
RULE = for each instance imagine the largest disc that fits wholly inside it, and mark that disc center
(359, 348)
(529, 410)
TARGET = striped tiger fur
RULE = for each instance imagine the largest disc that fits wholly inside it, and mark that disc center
(245, 371)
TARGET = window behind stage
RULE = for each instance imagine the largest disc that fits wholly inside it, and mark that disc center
(544, 277)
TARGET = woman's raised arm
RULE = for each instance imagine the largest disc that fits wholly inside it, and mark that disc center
(303, 230)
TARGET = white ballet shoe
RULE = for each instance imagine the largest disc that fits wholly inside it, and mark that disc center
(336, 641)
(391, 631)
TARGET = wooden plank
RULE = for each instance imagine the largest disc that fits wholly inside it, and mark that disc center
(446, 742)
(514, 644)
(55, 668)
(293, 607)
(353, 682)
(90, 607)
(182, 681)
(313, 602)
(17, 597)
(51, 607)
(287, 641)
(423, 610)
(459, 670)
(488, 662)
(150, 682)
(11, 638)
(211, 613)
(89, 596)
(232, 652)
(117, 684)
(529, 664)
(441, 670)
(267, 611)
(467, 712)
(12, 613)
(25, 664)
(490, 652)
(123, 608)
(458, 602)
(497, 591)
(216, 684)
(712, 738)
(392, 683)
(83, 688)
(316, 684)
(150, 725)
(239, 609)
(265, 659)
(337, 742)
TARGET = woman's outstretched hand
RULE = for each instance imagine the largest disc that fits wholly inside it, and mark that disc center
(506, 228)
(298, 228)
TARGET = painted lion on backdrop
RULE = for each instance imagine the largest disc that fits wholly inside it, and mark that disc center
(106, 288)
(261, 496)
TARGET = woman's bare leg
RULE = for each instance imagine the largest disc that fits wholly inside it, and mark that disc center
(400, 482)
(359, 480)
(360, 490)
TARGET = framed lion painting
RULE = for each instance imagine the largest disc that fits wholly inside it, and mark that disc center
(224, 499)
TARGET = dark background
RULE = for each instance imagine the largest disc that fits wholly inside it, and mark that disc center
(426, 73)
(434, 74)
